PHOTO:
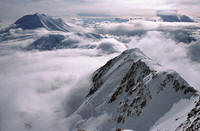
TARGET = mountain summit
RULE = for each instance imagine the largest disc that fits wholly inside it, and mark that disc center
(132, 91)
(37, 20)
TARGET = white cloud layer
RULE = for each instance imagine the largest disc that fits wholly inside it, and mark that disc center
(39, 89)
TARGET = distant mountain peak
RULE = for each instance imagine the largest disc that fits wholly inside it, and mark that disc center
(34, 21)
(29, 22)
(173, 16)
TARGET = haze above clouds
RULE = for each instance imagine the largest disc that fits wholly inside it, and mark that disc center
(11, 9)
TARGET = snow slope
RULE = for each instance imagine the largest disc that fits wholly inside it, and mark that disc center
(132, 91)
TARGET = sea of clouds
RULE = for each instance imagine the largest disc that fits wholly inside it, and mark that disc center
(42, 83)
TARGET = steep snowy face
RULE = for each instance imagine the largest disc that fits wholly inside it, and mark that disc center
(193, 120)
(41, 21)
(133, 92)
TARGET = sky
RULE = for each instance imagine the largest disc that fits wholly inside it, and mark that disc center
(13, 9)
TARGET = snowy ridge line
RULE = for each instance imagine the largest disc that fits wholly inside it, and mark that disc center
(131, 91)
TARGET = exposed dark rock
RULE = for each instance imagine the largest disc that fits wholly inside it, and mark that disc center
(193, 120)
(128, 82)
(97, 77)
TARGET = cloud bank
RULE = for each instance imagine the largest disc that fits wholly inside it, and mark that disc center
(10, 9)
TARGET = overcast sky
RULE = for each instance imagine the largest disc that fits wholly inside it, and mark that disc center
(12, 9)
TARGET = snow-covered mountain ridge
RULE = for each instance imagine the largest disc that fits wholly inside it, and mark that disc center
(135, 92)
(36, 21)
